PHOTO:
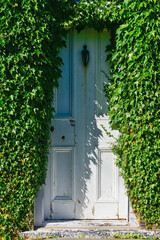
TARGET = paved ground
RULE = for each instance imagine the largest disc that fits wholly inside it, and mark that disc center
(85, 239)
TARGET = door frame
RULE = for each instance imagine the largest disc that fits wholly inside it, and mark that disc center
(39, 212)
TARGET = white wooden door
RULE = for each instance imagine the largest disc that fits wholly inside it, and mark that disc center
(83, 181)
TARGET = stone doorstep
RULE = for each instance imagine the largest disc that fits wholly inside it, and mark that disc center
(87, 224)
(87, 234)
(88, 229)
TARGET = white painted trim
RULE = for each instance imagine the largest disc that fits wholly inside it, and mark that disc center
(39, 208)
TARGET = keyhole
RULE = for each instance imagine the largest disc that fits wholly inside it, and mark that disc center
(63, 137)
(52, 128)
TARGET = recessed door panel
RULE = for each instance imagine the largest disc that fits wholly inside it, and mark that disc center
(107, 176)
(63, 174)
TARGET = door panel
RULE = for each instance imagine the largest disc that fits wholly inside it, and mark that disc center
(107, 179)
(62, 188)
(83, 180)
(63, 96)
(62, 168)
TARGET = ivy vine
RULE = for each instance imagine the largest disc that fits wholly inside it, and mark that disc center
(32, 32)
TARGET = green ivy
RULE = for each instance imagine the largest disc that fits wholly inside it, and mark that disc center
(32, 32)
(134, 105)
(30, 38)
